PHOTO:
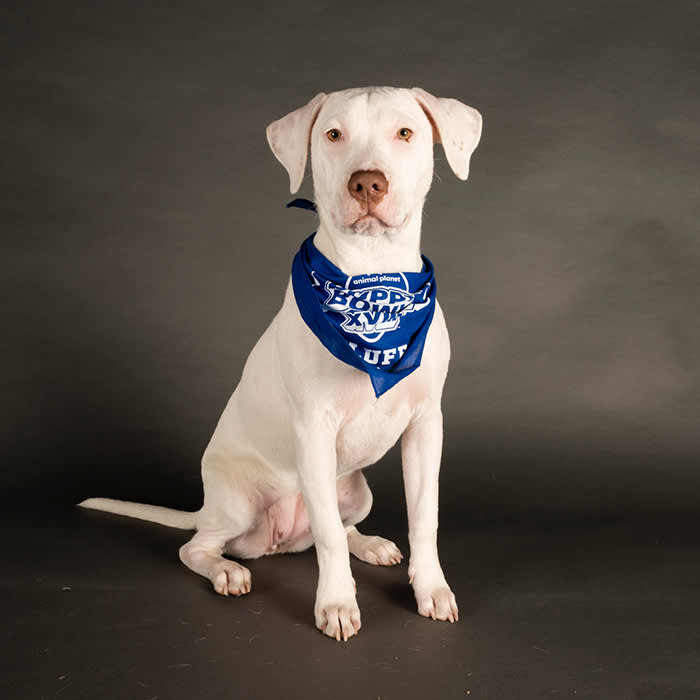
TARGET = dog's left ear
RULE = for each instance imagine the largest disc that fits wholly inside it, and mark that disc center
(455, 125)
(289, 139)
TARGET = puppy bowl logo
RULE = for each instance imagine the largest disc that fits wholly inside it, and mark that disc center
(371, 308)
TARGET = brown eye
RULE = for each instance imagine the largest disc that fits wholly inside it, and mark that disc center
(334, 134)
(404, 134)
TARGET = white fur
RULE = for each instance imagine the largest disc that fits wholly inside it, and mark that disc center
(301, 422)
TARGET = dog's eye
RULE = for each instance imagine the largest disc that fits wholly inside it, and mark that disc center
(334, 134)
(404, 134)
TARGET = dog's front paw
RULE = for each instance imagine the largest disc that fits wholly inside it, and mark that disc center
(438, 603)
(340, 620)
(434, 597)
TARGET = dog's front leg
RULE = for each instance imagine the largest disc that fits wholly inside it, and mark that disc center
(336, 611)
(421, 451)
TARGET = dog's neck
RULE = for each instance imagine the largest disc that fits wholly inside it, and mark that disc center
(392, 250)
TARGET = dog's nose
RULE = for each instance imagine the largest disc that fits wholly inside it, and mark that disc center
(368, 186)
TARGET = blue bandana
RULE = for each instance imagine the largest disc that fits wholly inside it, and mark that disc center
(376, 322)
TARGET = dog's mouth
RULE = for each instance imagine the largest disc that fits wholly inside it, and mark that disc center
(368, 217)
(370, 222)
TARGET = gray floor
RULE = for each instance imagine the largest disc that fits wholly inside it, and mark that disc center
(94, 606)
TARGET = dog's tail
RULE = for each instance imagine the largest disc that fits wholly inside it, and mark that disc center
(181, 519)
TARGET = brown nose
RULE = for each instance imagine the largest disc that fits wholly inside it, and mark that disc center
(368, 186)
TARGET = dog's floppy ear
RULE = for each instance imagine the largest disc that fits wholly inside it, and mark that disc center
(289, 139)
(455, 125)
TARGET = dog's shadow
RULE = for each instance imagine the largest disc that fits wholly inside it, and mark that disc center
(384, 584)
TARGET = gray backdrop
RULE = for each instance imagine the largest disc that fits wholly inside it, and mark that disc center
(146, 244)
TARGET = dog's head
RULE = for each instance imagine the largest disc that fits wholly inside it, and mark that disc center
(372, 152)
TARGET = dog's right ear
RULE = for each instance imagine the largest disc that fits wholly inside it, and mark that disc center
(290, 136)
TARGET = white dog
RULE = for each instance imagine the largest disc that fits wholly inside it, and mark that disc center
(283, 469)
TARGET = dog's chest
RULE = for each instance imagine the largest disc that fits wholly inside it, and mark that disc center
(372, 429)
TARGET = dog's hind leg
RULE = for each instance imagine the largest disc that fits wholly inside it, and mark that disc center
(203, 555)
(355, 502)
(227, 514)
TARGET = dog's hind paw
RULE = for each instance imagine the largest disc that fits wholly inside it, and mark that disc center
(231, 579)
(373, 549)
